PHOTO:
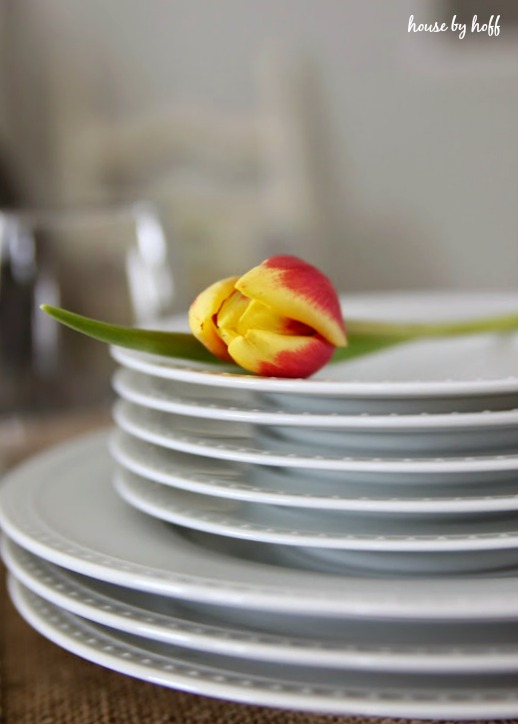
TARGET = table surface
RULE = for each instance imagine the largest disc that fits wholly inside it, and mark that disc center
(44, 684)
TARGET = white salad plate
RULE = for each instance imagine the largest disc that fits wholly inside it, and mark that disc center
(423, 434)
(271, 486)
(381, 544)
(367, 646)
(418, 442)
(263, 683)
(229, 406)
(61, 506)
(233, 441)
(473, 365)
(321, 529)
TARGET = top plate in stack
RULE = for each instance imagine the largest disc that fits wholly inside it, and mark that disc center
(441, 375)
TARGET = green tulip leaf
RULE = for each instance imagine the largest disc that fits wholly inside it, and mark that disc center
(359, 346)
(364, 337)
(181, 345)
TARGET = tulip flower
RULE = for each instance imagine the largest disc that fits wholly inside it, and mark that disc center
(281, 319)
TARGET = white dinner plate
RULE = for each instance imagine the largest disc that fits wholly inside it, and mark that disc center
(62, 507)
(233, 441)
(231, 406)
(367, 646)
(263, 683)
(460, 366)
(272, 486)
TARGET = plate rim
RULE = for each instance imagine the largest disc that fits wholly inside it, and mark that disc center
(133, 489)
(128, 417)
(351, 422)
(165, 368)
(250, 493)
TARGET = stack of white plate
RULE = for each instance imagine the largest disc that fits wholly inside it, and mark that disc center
(342, 544)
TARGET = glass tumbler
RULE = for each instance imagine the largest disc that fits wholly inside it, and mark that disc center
(111, 263)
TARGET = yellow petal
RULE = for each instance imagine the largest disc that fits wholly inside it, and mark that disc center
(276, 355)
(299, 291)
(230, 314)
(202, 312)
(259, 316)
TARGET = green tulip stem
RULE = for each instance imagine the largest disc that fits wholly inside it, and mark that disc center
(408, 331)
(364, 337)
(367, 337)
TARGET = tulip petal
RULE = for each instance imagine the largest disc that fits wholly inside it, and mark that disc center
(275, 355)
(257, 315)
(230, 314)
(299, 291)
(202, 312)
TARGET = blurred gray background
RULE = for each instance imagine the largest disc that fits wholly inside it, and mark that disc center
(320, 127)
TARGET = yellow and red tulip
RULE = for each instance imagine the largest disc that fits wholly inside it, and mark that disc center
(280, 319)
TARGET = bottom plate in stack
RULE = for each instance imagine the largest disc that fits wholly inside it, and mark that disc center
(169, 607)
(290, 687)
(346, 643)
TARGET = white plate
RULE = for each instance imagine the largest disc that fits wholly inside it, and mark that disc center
(232, 441)
(475, 365)
(320, 529)
(367, 646)
(307, 689)
(61, 506)
(362, 433)
(234, 481)
(418, 443)
(167, 396)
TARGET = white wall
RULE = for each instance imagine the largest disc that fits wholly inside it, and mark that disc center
(424, 144)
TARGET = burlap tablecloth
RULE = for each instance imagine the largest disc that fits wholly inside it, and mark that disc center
(43, 684)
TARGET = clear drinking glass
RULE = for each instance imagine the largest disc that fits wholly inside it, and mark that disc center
(113, 264)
